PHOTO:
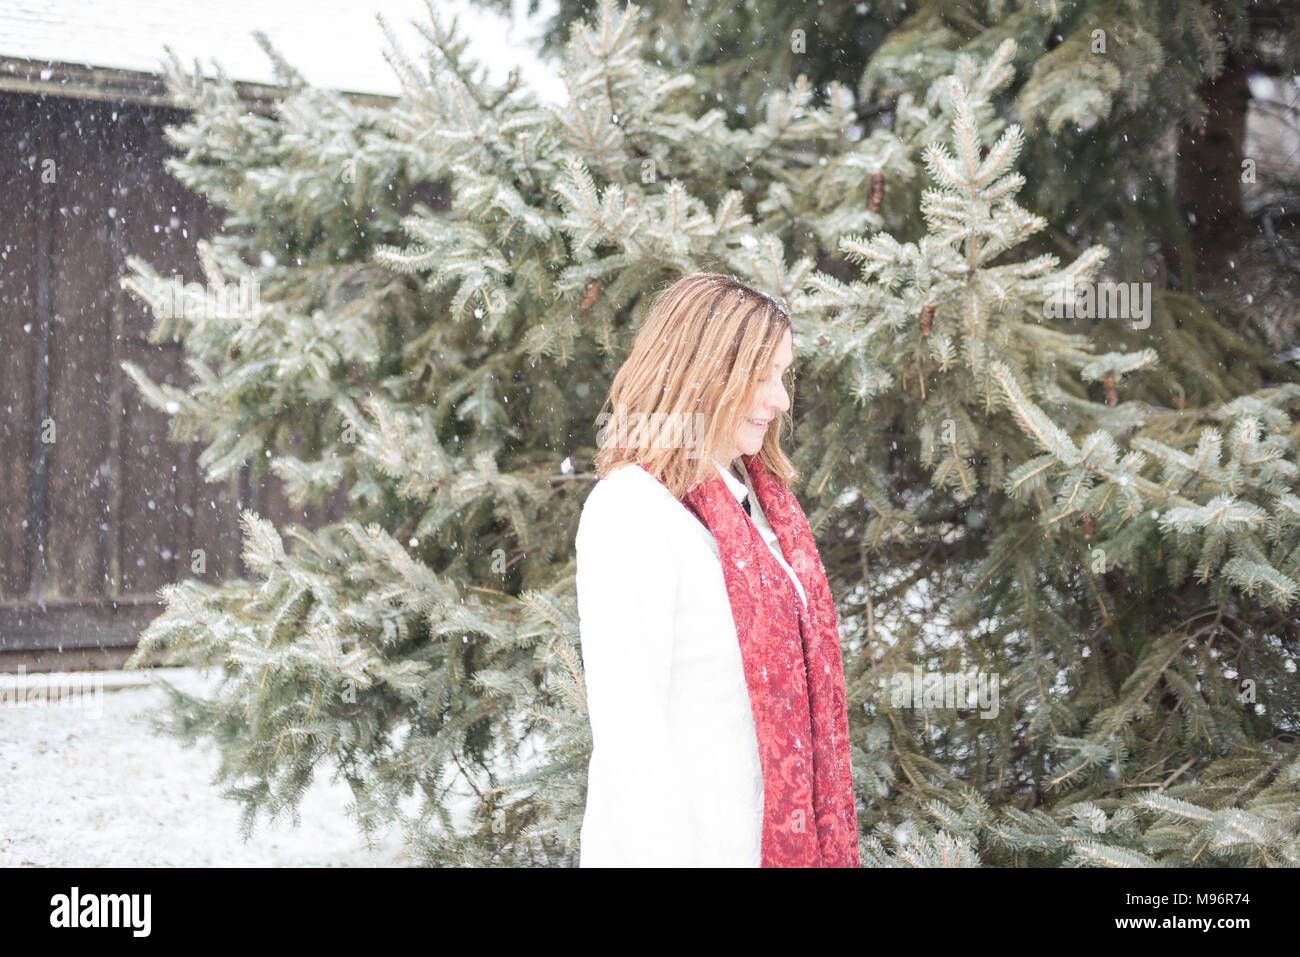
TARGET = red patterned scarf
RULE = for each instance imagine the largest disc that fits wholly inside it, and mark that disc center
(793, 670)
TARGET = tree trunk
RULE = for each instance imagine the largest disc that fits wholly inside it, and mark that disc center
(1208, 187)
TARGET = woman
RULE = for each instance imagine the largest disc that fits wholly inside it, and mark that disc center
(714, 682)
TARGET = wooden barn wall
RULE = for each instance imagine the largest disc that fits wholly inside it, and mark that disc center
(94, 522)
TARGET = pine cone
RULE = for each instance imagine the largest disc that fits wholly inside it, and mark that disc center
(593, 287)
(1112, 394)
(1089, 526)
(876, 193)
(927, 317)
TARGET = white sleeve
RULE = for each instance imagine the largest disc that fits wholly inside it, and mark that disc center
(627, 596)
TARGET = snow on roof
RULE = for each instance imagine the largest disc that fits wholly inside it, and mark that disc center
(333, 43)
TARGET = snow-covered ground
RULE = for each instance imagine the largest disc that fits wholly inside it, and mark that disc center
(92, 786)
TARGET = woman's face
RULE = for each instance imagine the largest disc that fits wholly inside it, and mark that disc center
(770, 401)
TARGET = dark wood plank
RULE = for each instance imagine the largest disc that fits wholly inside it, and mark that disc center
(20, 185)
(76, 559)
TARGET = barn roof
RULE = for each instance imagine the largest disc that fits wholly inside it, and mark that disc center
(114, 49)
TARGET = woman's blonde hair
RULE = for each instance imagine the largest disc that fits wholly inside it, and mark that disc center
(692, 375)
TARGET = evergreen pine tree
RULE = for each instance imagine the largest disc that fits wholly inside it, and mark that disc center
(1135, 123)
(991, 490)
